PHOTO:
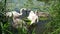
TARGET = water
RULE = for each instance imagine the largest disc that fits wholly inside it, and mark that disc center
(12, 4)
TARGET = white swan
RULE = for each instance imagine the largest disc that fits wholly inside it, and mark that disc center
(15, 14)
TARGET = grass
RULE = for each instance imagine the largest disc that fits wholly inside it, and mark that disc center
(43, 18)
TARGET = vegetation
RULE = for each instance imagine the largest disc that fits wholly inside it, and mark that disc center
(51, 6)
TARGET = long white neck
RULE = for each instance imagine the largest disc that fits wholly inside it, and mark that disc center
(22, 9)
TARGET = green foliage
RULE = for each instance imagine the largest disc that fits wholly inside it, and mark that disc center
(43, 18)
(53, 7)
(28, 21)
(54, 24)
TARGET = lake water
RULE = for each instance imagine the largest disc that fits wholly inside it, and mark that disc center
(33, 4)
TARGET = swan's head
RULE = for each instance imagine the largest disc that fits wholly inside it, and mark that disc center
(25, 12)
(23, 9)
